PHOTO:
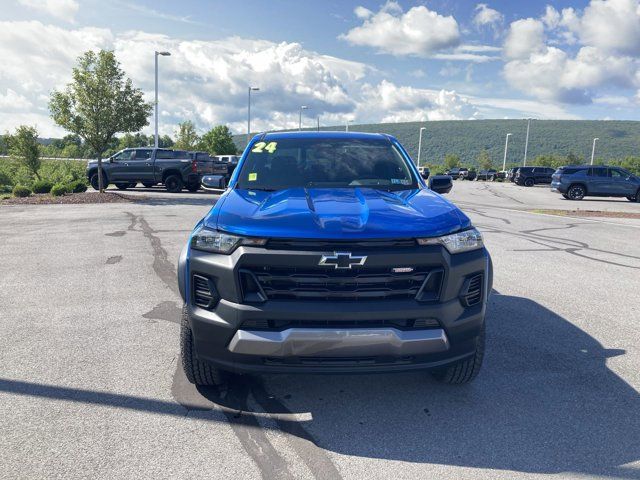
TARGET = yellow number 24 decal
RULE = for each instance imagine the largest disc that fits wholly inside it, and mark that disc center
(264, 146)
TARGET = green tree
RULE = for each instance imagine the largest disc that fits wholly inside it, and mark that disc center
(451, 161)
(218, 141)
(99, 103)
(23, 146)
(484, 160)
(165, 141)
(186, 136)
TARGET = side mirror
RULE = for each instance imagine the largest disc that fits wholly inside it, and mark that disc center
(213, 182)
(110, 159)
(440, 183)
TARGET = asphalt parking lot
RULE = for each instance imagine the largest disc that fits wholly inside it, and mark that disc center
(90, 384)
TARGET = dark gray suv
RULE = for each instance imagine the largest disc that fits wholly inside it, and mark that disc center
(575, 182)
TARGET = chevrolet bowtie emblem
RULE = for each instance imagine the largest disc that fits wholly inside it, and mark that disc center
(341, 260)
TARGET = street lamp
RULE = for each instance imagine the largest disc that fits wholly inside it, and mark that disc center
(593, 149)
(526, 143)
(250, 89)
(346, 127)
(164, 54)
(318, 118)
(420, 144)
(302, 107)
(506, 146)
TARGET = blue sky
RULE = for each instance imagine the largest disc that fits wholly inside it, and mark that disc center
(366, 61)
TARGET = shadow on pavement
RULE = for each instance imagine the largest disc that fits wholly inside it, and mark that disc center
(545, 402)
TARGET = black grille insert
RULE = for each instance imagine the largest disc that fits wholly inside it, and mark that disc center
(472, 290)
(280, 324)
(290, 283)
(205, 294)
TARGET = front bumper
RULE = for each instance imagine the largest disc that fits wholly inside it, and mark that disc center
(222, 338)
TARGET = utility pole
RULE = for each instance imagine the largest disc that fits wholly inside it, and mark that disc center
(251, 89)
(526, 143)
(422, 129)
(506, 146)
(593, 149)
(155, 103)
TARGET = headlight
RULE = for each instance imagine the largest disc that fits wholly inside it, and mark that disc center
(457, 242)
(220, 242)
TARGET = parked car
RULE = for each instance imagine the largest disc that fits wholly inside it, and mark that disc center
(530, 176)
(454, 173)
(575, 182)
(306, 264)
(487, 175)
(424, 172)
(463, 174)
(175, 169)
(227, 158)
(511, 174)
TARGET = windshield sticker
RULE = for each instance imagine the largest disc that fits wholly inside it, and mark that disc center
(399, 181)
(253, 177)
(261, 147)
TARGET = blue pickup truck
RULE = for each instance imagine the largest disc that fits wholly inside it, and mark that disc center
(328, 253)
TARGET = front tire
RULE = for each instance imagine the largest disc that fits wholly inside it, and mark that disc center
(529, 182)
(466, 370)
(173, 184)
(196, 371)
(122, 186)
(576, 192)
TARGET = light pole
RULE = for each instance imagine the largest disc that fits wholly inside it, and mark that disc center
(302, 107)
(155, 104)
(526, 143)
(506, 146)
(593, 149)
(318, 122)
(249, 89)
(420, 144)
(346, 127)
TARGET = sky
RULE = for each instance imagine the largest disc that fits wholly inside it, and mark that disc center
(361, 61)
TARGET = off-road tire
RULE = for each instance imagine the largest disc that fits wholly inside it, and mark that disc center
(196, 371)
(466, 370)
(576, 192)
(173, 184)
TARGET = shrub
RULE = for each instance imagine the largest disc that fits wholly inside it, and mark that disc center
(59, 189)
(79, 186)
(42, 186)
(21, 191)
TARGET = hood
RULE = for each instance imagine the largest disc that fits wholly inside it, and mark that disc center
(341, 213)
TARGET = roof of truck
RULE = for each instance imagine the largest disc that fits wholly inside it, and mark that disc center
(323, 134)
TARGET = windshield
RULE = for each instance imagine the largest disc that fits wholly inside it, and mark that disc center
(325, 162)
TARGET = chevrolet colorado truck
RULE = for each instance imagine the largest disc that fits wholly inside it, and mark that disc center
(327, 253)
(176, 169)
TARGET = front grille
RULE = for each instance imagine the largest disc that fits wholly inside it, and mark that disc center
(472, 291)
(290, 283)
(279, 324)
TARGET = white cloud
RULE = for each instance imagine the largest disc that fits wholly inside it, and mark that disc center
(525, 36)
(62, 9)
(609, 36)
(13, 102)
(487, 16)
(612, 25)
(419, 31)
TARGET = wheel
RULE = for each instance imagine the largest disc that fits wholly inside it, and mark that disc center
(122, 186)
(636, 198)
(529, 182)
(197, 371)
(565, 196)
(132, 184)
(466, 370)
(94, 181)
(148, 184)
(194, 187)
(492, 178)
(576, 192)
(173, 184)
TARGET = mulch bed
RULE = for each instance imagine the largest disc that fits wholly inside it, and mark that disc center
(589, 213)
(76, 198)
